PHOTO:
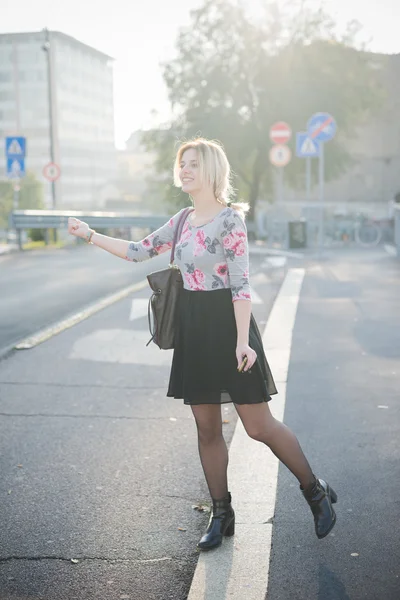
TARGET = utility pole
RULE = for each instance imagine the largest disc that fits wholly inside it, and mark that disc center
(47, 49)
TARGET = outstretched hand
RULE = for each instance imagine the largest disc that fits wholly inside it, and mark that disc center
(77, 227)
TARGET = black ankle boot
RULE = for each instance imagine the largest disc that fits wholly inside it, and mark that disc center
(222, 522)
(320, 496)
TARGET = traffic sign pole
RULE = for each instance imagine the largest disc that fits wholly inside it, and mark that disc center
(280, 156)
(321, 236)
(15, 167)
(308, 178)
(16, 189)
(321, 128)
(280, 185)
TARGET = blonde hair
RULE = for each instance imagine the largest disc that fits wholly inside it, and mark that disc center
(214, 169)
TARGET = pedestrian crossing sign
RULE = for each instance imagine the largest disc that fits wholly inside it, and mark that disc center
(306, 146)
(15, 147)
(15, 168)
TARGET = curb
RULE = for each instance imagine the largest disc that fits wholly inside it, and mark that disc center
(60, 326)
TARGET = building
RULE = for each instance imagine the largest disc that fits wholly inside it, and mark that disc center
(81, 92)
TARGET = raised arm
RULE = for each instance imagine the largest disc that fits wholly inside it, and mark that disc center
(154, 244)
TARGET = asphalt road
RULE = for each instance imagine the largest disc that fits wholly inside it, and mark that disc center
(39, 288)
(343, 403)
(100, 470)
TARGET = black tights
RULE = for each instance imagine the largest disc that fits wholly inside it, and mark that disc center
(259, 425)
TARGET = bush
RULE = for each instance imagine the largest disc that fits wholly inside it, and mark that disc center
(37, 235)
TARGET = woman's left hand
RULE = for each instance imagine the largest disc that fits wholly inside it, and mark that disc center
(243, 350)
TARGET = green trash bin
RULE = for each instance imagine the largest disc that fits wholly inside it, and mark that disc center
(297, 234)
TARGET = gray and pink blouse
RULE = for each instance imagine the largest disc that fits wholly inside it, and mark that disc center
(210, 256)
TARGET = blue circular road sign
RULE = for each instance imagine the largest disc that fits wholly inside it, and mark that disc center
(321, 127)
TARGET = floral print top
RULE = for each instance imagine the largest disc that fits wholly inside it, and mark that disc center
(210, 256)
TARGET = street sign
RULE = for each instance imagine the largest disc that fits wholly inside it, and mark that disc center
(15, 147)
(306, 146)
(280, 155)
(15, 168)
(321, 127)
(280, 133)
(51, 171)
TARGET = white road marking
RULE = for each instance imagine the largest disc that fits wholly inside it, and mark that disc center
(260, 278)
(255, 298)
(45, 334)
(263, 250)
(241, 570)
(139, 308)
(122, 346)
(276, 262)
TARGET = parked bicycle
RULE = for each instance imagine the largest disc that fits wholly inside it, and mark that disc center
(362, 230)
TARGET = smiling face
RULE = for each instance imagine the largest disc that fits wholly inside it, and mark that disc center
(189, 172)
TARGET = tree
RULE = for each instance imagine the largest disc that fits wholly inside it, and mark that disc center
(31, 196)
(6, 202)
(233, 77)
(32, 193)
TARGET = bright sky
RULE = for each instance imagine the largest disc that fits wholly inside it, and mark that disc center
(140, 34)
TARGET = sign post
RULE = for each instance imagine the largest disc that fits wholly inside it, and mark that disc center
(307, 148)
(280, 154)
(321, 128)
(15, 162)
(308, 179)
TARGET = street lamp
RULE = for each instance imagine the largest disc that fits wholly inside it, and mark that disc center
(47, 49)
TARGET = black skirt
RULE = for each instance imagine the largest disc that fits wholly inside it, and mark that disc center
(204, 365)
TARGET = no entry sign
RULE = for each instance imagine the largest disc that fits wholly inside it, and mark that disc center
(280, 133)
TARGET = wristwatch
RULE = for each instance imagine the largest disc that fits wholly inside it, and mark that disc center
(88, 236)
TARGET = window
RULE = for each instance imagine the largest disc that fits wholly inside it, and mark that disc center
(5, 95)
(5, 76)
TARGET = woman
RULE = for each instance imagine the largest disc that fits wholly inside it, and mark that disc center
(216, 333)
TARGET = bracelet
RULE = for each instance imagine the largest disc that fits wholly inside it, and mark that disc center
(89, 236)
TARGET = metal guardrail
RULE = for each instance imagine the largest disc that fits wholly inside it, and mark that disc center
(57, 219)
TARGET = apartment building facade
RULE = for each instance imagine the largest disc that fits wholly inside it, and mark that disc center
(78, 80)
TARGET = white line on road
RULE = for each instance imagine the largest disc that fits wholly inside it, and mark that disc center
(241, 568)
(255, 298)
(45, 334)
(139, 308)
(276, 262)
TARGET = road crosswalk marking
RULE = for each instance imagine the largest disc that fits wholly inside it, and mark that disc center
(255, 298)
(139, 308)
(122, 346)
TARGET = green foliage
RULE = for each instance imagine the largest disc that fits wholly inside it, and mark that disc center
(6, 201)
(234, 76)
(30, 196)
